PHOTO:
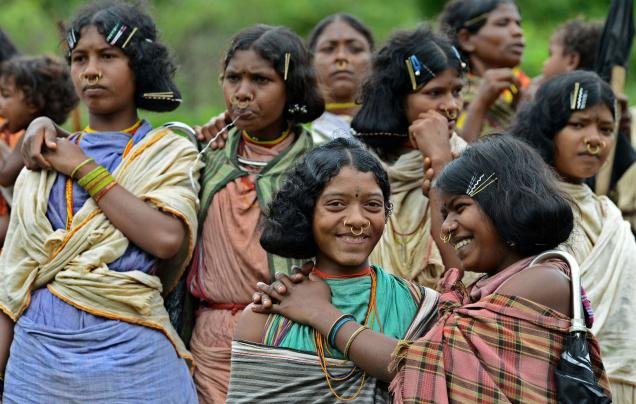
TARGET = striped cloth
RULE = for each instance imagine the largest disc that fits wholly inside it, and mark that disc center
(498, 349)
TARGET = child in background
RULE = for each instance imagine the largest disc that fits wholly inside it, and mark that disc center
(30, 86)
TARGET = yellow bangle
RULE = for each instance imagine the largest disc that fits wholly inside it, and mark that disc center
(80, 165)
(351, 338)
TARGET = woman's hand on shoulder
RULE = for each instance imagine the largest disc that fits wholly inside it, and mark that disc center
(302, 302)
(211, 129)
(543, 284)
(65, 157)
(41, 136)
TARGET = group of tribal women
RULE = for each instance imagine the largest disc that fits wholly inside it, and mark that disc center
(105, 222)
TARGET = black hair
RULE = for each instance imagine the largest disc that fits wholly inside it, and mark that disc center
(580, 37)
(527, 208)
(381, 122)
(149, 59)
(7, 48)
(45, 82)
(350, 20)
(272, 43)
(464, 14)
(288, 220)
(539, 121)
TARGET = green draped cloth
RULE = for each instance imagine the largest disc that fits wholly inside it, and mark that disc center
(397, 302)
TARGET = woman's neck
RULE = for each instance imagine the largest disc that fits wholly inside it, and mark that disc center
(118, 122)
(331, 268)
(270, 132)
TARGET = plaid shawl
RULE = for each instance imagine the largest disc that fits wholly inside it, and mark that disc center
(498, 349)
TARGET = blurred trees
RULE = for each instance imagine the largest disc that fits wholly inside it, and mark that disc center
(199, 30)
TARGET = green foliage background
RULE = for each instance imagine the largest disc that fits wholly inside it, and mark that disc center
(199, 30)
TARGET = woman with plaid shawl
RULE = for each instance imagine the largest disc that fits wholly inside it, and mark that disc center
(500, 338)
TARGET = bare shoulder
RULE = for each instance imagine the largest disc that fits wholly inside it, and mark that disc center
(544, 284)
(250, 326)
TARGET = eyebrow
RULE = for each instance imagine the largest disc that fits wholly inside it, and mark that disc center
(377, 194)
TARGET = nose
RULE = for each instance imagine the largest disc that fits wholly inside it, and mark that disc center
(243, 91)
(449, 226)
(515, 29)
(342, 56)
(450, 106)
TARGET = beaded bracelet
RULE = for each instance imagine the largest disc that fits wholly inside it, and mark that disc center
(80, 165)
(351, 338)
(331, 337)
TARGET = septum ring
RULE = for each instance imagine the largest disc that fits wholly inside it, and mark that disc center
(449, 116)
(594, 149)
(92, 80)
(241, 104)
(362, 228)
(341, 64)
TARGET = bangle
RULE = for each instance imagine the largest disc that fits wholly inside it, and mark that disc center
(331, 336)
(104, 191)
(94, 173)
(351, 338)
(100, 184)
(80, 165)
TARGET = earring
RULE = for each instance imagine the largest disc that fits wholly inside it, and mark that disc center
(446, 237)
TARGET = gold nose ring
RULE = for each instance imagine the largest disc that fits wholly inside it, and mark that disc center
(91, 80)
(362, 228)
(450, 116)
(446, 237)
(341, 64)
(241, 104)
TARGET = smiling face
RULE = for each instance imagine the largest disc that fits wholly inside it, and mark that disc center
(255, 92)
(14, 108)
(103, 78)
(582, 146)
(354, 197)
(474, 236)
(499, 42)
(442, 93)
(341, 58)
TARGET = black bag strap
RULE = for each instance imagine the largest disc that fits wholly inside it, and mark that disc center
(578, 323)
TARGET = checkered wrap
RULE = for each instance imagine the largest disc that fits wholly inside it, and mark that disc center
(498, 349)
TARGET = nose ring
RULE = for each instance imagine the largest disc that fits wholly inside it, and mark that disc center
(594, 149)
(450, 116)
(362, 228)
(91, 80)
(241, 104)
(341, 64)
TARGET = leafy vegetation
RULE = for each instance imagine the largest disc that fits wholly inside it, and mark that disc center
(199, 30)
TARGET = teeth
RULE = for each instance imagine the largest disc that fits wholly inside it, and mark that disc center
(463, 243)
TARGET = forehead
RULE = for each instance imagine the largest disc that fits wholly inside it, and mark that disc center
(447, 77)
(599, 112)
(504, 10)
(350, 180)
(340, 30)
(91, 38)
(249, 60)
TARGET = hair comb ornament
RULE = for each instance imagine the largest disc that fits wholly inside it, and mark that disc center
(414, 67)
(71, 39)
(120, 35)
(476, 185)
(287, 61)
(459, 57)
(475, 20)
(578, 97)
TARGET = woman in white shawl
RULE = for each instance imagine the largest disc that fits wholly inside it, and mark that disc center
(571, 122)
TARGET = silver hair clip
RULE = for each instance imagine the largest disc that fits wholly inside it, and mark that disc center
(459, 57)
(476, 185)
(578, 97)
(287, 61)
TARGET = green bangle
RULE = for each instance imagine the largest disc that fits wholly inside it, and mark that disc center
(80, 165)
(100, 176)
(90, 176)
(100, 185)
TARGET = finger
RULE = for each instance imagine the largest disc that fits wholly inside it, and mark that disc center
(307, 268)
(50, 140)
(257, 297)
(227, 118)
(427, 163)
(199, 133)
(269, 291)
(297, 277)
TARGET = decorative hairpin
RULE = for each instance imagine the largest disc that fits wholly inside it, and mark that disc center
(287, 60)
(296, 108)
(578, 97)
(459, 57)
(476, 20)
(414, 67)
(71, 39)
(476, 185)
(116, 35)
(162, 95)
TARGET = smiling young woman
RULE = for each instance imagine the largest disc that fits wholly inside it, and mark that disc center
(575, 139)
(333, 205)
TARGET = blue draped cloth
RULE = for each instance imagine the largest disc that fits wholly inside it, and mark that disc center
(63, 354)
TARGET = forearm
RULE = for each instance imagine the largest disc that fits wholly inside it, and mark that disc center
(11, 166)
(474, 121)
(152, 230)
(370, 350)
